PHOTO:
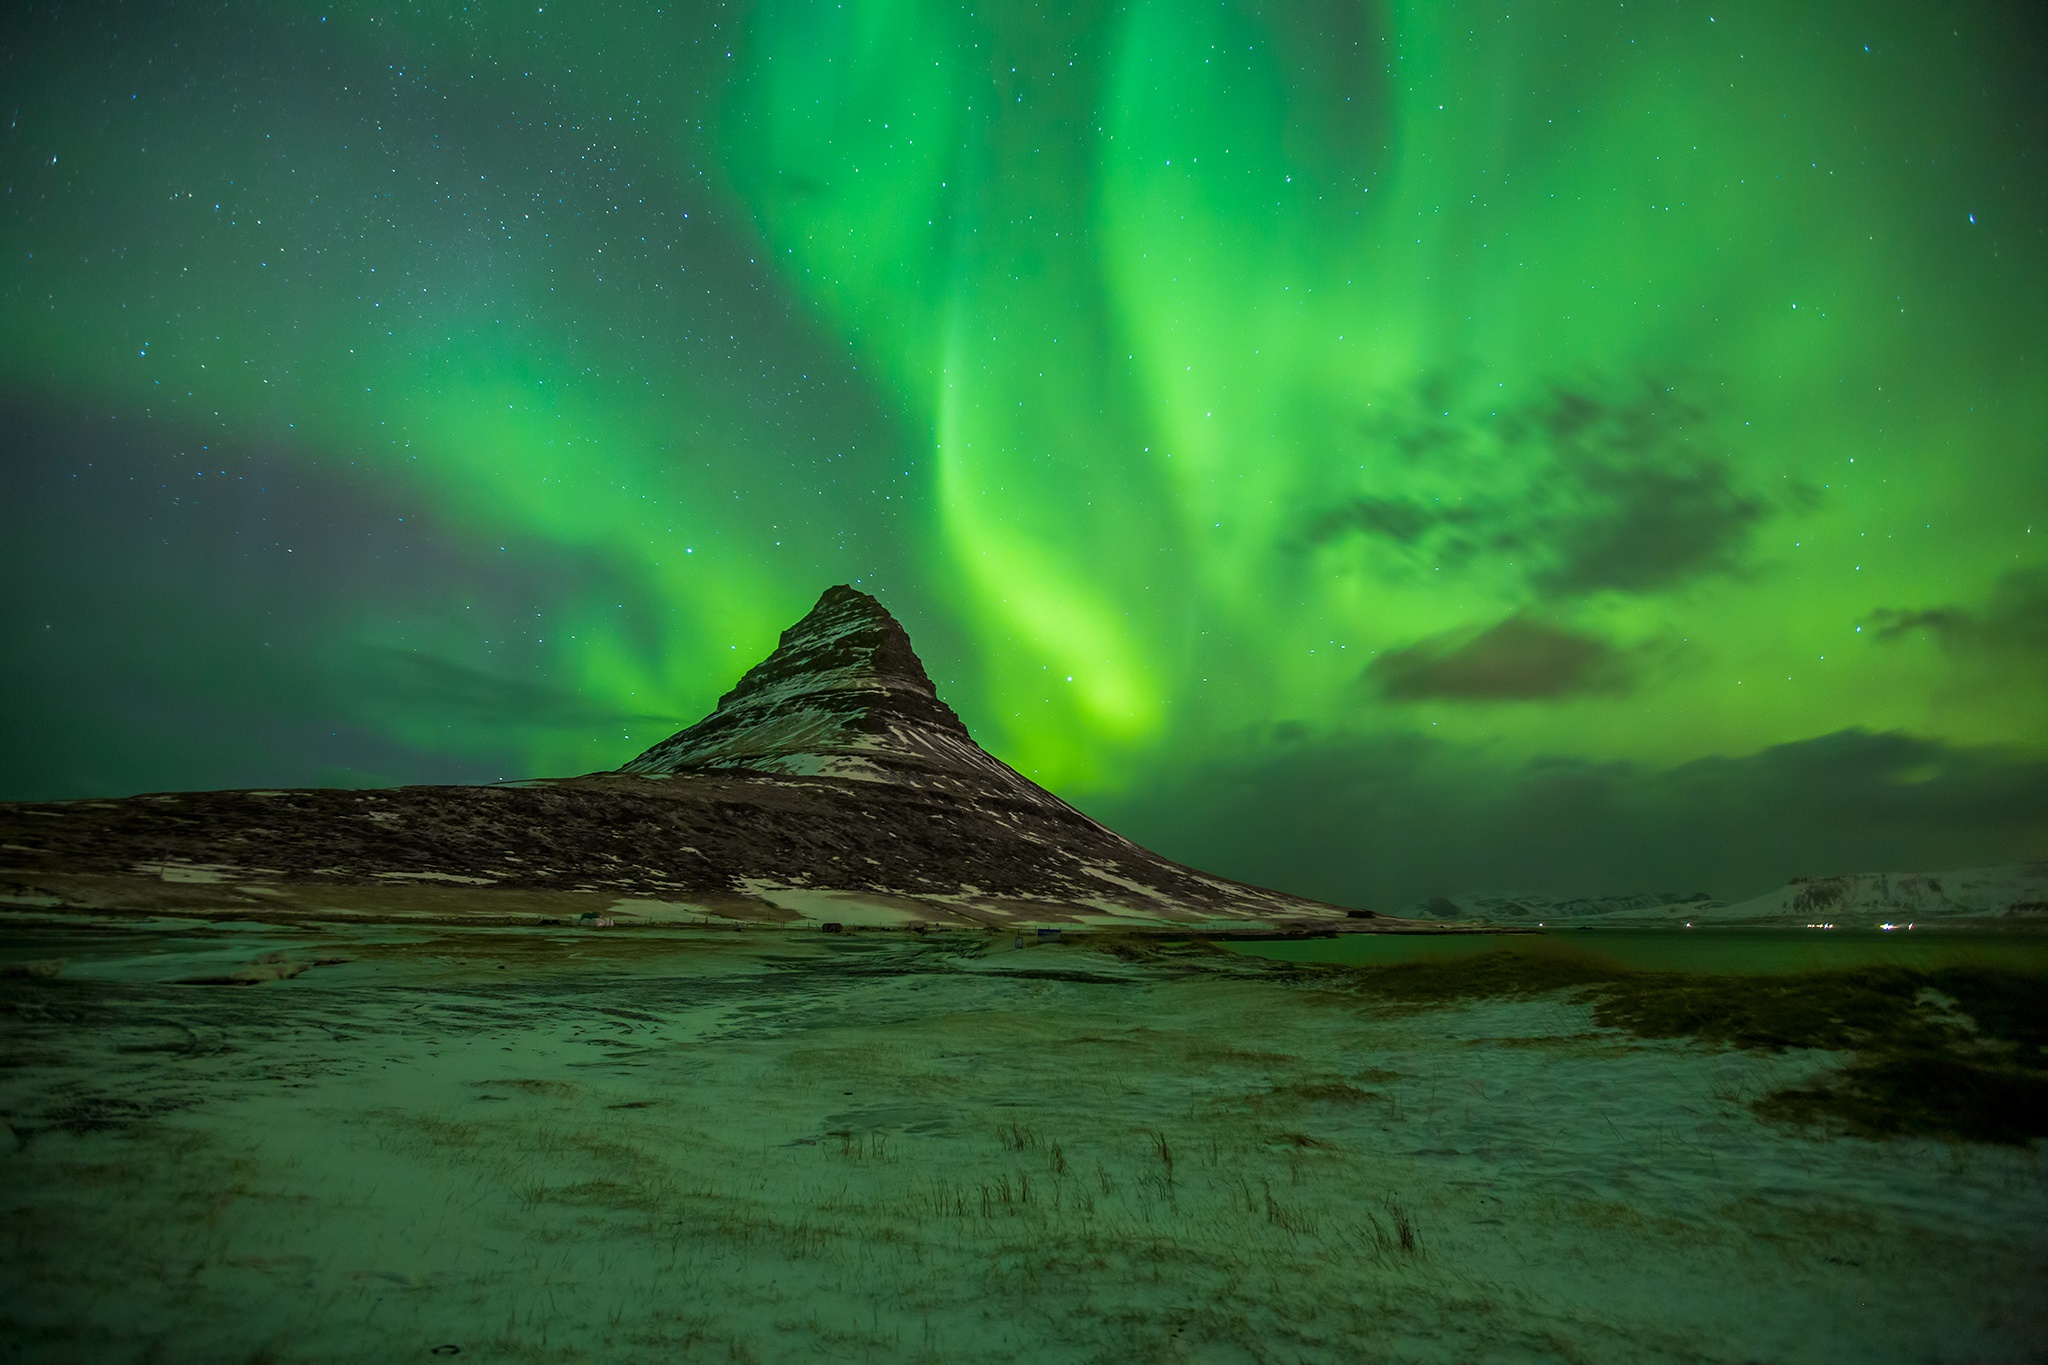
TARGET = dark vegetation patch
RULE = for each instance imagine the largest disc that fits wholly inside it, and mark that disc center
(1316, 1092)
(1301, 1140)
(1126, 946)
(1957, 1053)
(99, 1113)
(1536, 968)
(1925, 1092)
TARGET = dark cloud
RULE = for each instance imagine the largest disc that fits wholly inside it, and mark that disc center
(1642, 528)
(1576, 494)
(1516, 660)
(1948, 623)
(2013, 618)
(1386, 822)
(1641, 507)
(1401, 522)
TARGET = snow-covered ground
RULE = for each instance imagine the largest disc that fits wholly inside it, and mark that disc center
(668, 1144)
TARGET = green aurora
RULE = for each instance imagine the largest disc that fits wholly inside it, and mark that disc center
(1370, 449)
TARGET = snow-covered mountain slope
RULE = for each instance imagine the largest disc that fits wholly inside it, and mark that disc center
(1531, 909)
(2013, 891)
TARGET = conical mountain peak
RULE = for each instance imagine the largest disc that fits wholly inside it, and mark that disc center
(848, 642)
(843, 695)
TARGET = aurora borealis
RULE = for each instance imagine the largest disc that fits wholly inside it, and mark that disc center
(1368, 449)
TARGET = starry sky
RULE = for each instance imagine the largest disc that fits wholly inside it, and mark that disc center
(1374, 449)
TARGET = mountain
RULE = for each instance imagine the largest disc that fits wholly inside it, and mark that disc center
(832, 784)
(2009, 893)
(1533, 909)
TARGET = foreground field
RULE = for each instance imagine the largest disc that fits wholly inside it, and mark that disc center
(549, 1144)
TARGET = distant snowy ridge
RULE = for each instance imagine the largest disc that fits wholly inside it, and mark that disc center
(2015, 892)
(1528, 908)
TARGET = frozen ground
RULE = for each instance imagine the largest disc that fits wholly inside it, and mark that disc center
(691, 1145)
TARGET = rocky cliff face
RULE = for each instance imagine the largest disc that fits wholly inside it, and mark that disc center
(831, 784)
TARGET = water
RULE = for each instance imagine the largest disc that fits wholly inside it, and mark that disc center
(1730, 951)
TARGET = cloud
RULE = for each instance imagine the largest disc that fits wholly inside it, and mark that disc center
(1641, 526)
(1386, 821)
(1574, 494)
(2013, 618)
(1401, 522)
(1516, 660)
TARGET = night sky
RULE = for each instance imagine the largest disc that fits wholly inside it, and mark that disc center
(1370, 449)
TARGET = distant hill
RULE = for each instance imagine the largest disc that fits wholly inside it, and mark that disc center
(2011, 892)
